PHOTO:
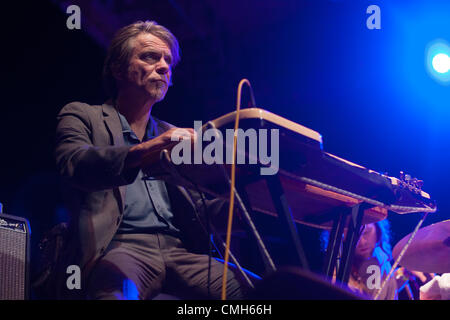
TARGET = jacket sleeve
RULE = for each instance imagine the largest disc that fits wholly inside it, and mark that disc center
(85, 165)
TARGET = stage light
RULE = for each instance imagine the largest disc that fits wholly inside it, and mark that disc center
(441, 63)
(438, 61)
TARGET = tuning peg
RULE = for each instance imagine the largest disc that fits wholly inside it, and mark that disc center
(419, 184)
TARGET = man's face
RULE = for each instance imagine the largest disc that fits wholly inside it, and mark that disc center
(367, 242)
(149, 69)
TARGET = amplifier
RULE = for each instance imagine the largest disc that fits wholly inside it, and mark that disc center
(14, 257)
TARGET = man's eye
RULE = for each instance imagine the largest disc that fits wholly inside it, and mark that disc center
(150, 56)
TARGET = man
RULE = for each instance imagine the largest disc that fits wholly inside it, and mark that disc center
(371, 262)
(126, 231)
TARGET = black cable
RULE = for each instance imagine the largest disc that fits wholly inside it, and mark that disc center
(208, 229)
(186, 181)
(214, 232)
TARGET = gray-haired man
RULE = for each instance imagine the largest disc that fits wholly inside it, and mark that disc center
(127, 232)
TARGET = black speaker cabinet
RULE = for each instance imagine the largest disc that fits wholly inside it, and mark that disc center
(14, 257)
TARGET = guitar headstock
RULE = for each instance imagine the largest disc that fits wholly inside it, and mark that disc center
(406, 181)
(409, 194)
(413, 184)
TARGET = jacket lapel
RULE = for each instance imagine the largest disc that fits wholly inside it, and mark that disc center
(112, 123)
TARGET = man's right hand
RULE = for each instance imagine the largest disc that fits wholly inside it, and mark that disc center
(167, 140)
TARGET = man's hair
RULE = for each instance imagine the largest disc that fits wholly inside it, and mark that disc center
(384, 236)
(120, 50)
(383, 231)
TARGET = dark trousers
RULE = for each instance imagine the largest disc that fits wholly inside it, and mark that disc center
(143, 265)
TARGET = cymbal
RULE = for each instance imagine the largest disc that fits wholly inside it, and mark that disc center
(429, 251)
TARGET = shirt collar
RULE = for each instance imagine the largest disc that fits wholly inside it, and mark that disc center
(126, 129)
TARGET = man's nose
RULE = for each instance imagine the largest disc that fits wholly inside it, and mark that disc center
(162, 67)
(362, 241)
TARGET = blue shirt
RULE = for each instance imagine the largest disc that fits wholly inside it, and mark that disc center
(147, 203)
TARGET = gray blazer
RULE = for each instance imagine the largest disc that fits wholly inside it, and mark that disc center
(90, 154)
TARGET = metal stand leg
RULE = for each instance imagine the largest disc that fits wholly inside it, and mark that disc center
(242, 196)
(351, 240)
(287, 222)
(334, 244)
(243, 204)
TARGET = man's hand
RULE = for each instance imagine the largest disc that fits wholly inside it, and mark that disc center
(167, 140)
